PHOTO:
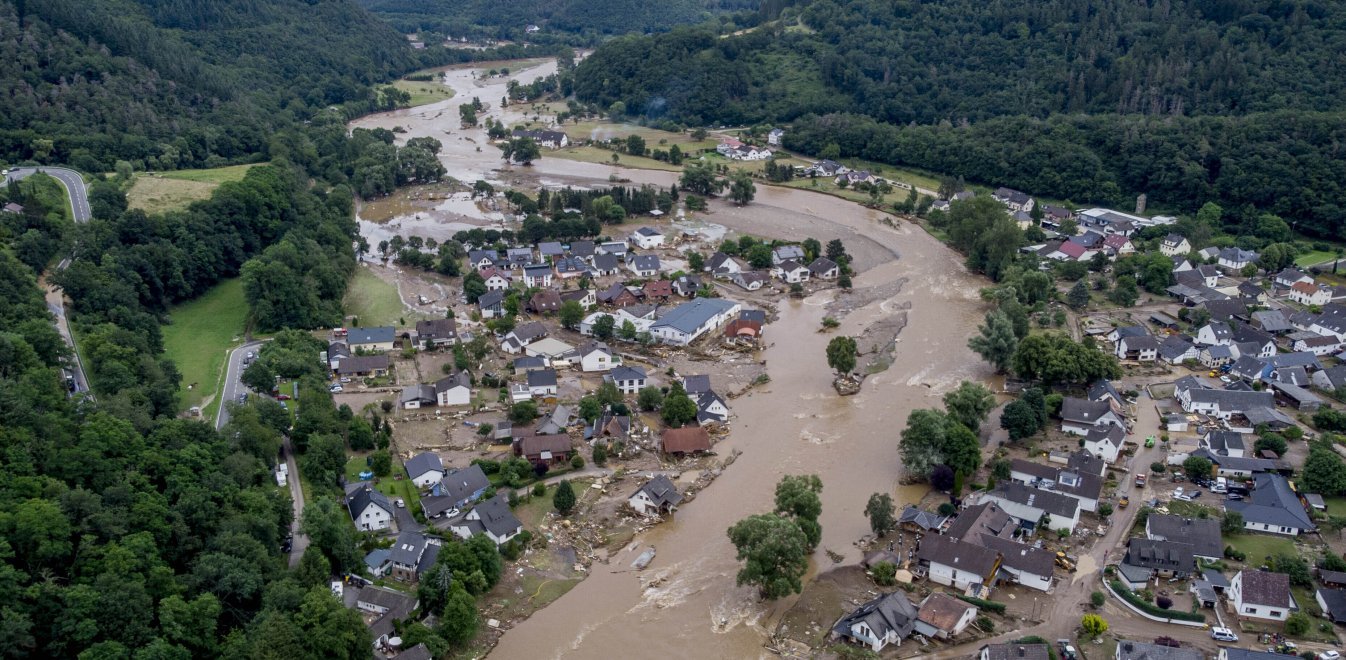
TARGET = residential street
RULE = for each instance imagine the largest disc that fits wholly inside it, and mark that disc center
(79, 206)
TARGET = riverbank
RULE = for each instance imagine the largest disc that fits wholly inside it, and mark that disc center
(795, 424)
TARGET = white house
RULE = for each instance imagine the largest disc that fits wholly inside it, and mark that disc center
(1215, 333)
(628, 380)
(957, 564)
(496, 280)
(647, 238)
(791, 272)
(1261, 595)
(643, 265)
(537, 276)
(1026, 565)
(1029, 505)
(1223, 403)
(888, 619)
(774, 137)
(596, 356)
(542, 382)
(685, 323)
(1080, 416)
(1305, 293)
(425, 469)
(1291, 276)
(454, 390)
(786, 253)
(1174, 245)
(492, 518)
(369, 509)
(376, 339)
(657, 497)
(1235, 259)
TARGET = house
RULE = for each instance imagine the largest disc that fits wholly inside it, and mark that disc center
(496, 279)
(748, 325)
(1223, 404)
(1255, 295)
(723, 265)
(585, 297)
(1176, 349)
(1318, 345)
(983, 519)
(1331, 379)
(1272, 507)
(377, 562)
(337, 351)
(523, 335)
(425, 469)
(920, 520)
(1082, 486)
(942, 616)
(609, 425)
(437, 332)
(1261, 595)
(791, 272)
(619, 295)
(364, 365)
(710, 408)
(1251, 341)
(1024, 564)
(688, 321)
(957, 563)
(1225, 443)
(1164, 558)
(1028, 505)
(492, 518)
(643, 265)
(657, 290)
(543, 138)
(696, 383)
(1175, 245)
(824, 269)
(483, 259)
(786, 253)
(491, 304)
(457, 488)
(1291, 276)
(544, 302)
(537, 275)
(1235, 259)
(1015, 200)
(1105, 442)
(412, 554)
(1079, 416)
(1130, 650)
(414, 397)
(749, 280)
(1309, 294)
(775, 136)
(1142, 349)
(381, 600)
(552, 449)
(1333, 604)
(855, 177)
(656, 498)
(596, 356)
(453, 390)
(687, 285)
(826, 168)
(1215, 356)
(684, 441)
(1214, 333)
(1068, 251)
(647, 238)
(1118, 245)
(550, 250)
(629, 380)
(369, 509)
(888, 619)
(557, 422)
(375, 340)
(1014, 651)
(606, 264)
(1083, 462)
(542, 382)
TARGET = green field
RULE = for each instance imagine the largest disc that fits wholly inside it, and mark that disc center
(373, 301)
(1260, 546)
(1313, 258)
(167, 191)
(423, 92)
(199, 336)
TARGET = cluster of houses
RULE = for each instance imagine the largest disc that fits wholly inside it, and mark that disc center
(734, 149)
(787, 265)
(544, 137)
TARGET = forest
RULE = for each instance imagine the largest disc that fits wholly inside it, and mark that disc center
(1187, 101)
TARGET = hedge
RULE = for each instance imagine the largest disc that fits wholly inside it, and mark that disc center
(1149, 608)
(998, 608)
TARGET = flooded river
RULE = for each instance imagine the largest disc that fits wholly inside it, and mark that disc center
(794, 425)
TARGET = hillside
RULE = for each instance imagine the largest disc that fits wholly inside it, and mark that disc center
(926, 75)
(180, 81)
(483, 18)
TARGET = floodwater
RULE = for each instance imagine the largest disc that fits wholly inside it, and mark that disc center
(794, 425)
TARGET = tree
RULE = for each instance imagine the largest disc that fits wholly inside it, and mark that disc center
(885, 573)
(329, 529)
(699, 179)
(943, 478)
(458, 620)
(996, 342)
(741, 188)
(923, 441)
(571, 314)
(1297, 624)
(635, 145)
(775, 554)
(1078, 296)
(961, 448)
(1232, 523)
(1324, 472)
(523, 412)
(314, 569)
(881, 513)
(969, 404)
(600, 454)
(1124, 293)
(1293, 566)
(1271, 441)
(381, 463)
(1021, 420)
(1053, 357)
(678, 408)
(1097, 599)
(1197, 467)
(841, 355)
(759, 256)
(1093, 625)
(604, 326)
(564, 498)
(649, 398)
(797, 498)
(696, 262)
(523, 150)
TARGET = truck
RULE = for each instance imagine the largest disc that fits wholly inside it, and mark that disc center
(1140, 480)
(282, 474)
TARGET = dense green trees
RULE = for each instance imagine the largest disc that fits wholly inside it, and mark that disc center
(969, 404)
(1055, 358)
(775, 547)
(882, 513)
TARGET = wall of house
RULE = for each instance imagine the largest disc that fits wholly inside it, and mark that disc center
(458, 396)
(1271, 529)
(428, 479)
(951, 576)
(1039, 582)
(373, 517)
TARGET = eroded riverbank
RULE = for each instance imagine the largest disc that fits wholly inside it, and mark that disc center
(795, 424)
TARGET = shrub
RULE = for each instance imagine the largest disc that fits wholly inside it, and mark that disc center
(985, 623)
(947, 509)
(1096, 599)
(539, 489)
(1164, 602)
(1145, 606)
(1231, 553)
(988, 605)
(1297, 624)
(1157, 467)
(884, 573)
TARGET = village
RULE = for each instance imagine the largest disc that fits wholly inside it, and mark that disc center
(1163, 503)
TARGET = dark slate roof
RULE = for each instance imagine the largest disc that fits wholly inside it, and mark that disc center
(407, 548)
(496, 517)
(437, 329)
(363, 364)
(1233, 401)
(661, 491)
(1161, 555)
(821, 265)
(1130, 650)
(417, 652)
(459, 485)
(1300, 359)
(1174, 346)
(1112, 434)
(889, 612)
(490, 299)
(556, 443)
(1266, 588)
(923, 519)
(1215, 578)
(605, 262)
(582, 248)
(696, 383)
(1012, 651)
(1223, 442)
(645, 262)
(628, 373)
(986, 518)
(1020, 556)
(1103, 388)
(1082, 410)
(969, 555)
(363, 497)
(424, 462)
(1336, 604)
(376, 335)
(542, 378)
(1272, 320)
(384, 597)
(1083, 461)
(1272, 502)
(1053, 503)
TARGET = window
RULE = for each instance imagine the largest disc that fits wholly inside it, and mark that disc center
(1250, 610)
(1275, 613)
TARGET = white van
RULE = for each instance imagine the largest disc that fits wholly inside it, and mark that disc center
(1223, 635)
(1221, 485)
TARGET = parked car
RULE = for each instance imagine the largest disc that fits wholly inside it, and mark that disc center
(335, 388)
(1223, 635)
(401, 504)
(1329, 655)
(345, 379)
(1067, 651)
(1234, 496)
(282, 397)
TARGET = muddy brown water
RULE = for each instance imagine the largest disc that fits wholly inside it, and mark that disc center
(794, 425)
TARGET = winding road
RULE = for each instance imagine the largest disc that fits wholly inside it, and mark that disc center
(78, 194)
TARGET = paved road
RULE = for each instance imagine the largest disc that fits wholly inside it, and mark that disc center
(229, 394)
(79, 205)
